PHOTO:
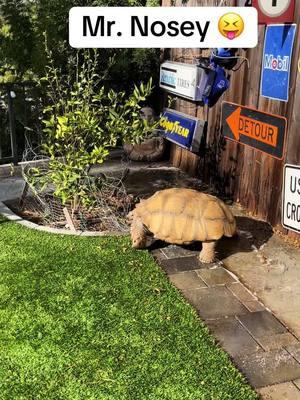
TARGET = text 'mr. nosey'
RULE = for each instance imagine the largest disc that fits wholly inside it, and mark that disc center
(140, 26)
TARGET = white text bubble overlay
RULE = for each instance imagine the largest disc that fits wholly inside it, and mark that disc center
(159, 27)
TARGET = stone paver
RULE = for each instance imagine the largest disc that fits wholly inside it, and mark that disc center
(261, 323)
(216, 276)
(263, 369)
(174, 251)
(187, 280)
(241, 292)
(158, 255)
(282, 391)
(297, 383)
(294, 350)
(216, 302)
(272, 342)
(233, 337)
(254, 305)
(171, 266)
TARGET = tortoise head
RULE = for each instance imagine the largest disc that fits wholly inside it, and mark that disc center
(139, 242)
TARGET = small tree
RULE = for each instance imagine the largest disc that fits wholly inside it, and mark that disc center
(82, 122)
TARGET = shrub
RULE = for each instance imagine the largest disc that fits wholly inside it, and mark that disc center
(82, 122)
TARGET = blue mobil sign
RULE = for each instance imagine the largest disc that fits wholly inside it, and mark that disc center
(277, 59)
(182, 129)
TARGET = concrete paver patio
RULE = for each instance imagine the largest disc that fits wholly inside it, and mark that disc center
(261, 346)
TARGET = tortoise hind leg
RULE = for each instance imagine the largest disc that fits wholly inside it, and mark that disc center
(207, 254)
(138, 233)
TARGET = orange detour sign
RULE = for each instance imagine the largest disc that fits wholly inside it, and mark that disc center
(262, 131)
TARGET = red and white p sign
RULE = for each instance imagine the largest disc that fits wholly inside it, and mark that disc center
(275, 11)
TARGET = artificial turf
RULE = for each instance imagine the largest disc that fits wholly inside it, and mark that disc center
(91, 318)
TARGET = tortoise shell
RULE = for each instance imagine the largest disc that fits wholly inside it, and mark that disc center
(181, 216)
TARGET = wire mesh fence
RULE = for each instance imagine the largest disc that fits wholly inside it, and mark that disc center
(109, 201)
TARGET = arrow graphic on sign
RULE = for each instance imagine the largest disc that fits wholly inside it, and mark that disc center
(252, 128)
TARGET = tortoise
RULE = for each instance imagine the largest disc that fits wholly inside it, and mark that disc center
(182, 216)
(152, 149)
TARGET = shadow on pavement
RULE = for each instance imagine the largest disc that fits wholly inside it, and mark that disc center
(252, 235)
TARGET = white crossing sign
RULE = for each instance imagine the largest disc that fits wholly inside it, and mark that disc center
(291, 198)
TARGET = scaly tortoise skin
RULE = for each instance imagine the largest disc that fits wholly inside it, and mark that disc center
(182, 216)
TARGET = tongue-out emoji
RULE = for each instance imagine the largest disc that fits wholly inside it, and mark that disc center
(231, 35)
(231, 25)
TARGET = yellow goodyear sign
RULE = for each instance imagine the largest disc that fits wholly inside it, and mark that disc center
(182, 129)
(174, 127)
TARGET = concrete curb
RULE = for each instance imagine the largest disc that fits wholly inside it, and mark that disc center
(10, 215)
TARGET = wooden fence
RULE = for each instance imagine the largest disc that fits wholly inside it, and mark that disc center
(248, 176)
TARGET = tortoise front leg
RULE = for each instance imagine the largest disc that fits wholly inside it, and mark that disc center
(138, 233)
(207, 254)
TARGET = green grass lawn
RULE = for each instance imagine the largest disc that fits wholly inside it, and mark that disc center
(91, 318)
